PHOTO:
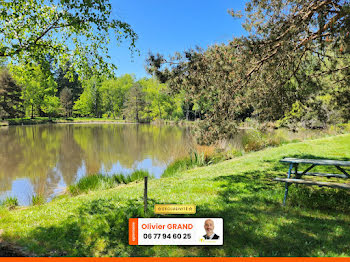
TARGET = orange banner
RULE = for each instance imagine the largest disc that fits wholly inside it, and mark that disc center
(133, 231)
(178, 259)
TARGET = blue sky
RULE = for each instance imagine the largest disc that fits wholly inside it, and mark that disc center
(167, 26)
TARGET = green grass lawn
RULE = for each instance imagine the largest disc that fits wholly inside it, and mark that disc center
(315, 222)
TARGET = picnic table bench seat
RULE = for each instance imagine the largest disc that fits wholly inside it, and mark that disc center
(313, 183)
(297, 179)
(321, 174)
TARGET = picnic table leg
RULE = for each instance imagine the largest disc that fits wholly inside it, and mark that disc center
(287, 184)
(296, 172)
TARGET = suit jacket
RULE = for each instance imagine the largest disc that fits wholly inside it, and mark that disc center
(214, 237)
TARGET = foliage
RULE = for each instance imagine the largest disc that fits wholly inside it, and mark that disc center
(293, 117)
(67, 77)
(135, 103)
(159, 105)
(66, 99)
(89, 103)
(113, 94)
(291, 47)
(51, 105)
(38, 86)
(318, 112)
(10, 96)
(76, 30)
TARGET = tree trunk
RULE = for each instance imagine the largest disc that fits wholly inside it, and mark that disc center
(187, 111)
(160, 111)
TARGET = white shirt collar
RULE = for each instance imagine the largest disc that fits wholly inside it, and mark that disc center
(211, 236)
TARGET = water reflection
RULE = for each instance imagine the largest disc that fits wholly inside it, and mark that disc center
(43, 159)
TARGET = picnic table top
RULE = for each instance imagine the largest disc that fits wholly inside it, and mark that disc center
(326, 162)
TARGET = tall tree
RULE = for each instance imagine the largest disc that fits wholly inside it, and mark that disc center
(76, 30)
(159, 102)
(269, 69)
(89, 103)
(113, 94)
(38, 84)
(67, 77)
(10, 95)
(51, 106)
(135, 103)
(67, 101)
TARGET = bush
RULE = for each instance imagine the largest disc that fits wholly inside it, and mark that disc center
(253, 140)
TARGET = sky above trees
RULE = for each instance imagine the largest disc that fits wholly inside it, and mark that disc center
(170, 26)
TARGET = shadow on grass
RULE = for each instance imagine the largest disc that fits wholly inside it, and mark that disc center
(255, 223)
(100, 228)
(317, 198)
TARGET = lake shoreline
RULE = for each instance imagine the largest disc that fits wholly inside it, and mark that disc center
(44, 120)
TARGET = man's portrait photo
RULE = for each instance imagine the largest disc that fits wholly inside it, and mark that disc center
(209, 229)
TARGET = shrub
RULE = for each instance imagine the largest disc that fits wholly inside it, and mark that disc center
(253, 140)
(232, 152)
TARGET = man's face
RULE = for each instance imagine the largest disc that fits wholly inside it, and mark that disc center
(209, 227)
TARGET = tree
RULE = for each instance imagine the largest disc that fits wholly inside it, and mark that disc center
(75, 30)
(66, 101)
(67, 77)
(290, 40)
(280, 62)
(158, 100)
(207, 77)
(135, 103)
(89, 103)
(10, 95)
(37, 83)
(113, 94)
(51, 105)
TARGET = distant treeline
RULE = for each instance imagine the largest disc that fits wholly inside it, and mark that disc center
(38, 90)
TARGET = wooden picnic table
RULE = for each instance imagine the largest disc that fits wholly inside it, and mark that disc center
(294, 163)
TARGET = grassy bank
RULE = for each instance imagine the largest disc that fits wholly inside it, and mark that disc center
(46, 120)
(315, 221)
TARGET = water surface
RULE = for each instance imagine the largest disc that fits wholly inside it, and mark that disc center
(44, 159)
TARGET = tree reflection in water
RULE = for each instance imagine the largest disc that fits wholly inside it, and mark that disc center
(50, 157)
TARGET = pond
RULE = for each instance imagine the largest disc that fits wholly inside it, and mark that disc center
(44, 159)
